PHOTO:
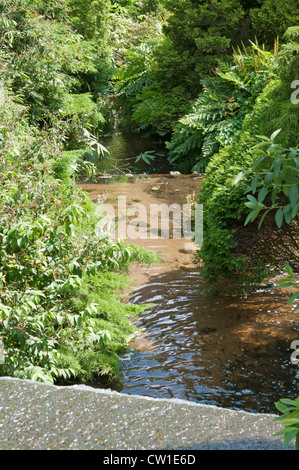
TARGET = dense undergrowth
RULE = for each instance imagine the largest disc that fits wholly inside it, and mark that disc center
(210, 97)
(214, 81)
(61, 314)
(251, 253)
(61, 317)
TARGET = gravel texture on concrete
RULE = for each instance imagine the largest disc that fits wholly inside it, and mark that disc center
(36, 416)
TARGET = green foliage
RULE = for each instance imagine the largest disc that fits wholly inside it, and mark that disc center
(146, 157)
(133, 46)
(204, 30)
(226, 247)
(197, 38)
(289, 419)
(218, 113)
(273, 18)
(224, 209)
(126, 33)
(290, 281)
(91, 21)
(59, 321)
(44, 56)
(274, 191)
(52, 68)
(276, 181)
(164, 88)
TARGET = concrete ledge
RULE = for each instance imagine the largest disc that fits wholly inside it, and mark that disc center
(37, 416)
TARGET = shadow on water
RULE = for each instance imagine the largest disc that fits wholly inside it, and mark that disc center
(125, 148)
(212, 349)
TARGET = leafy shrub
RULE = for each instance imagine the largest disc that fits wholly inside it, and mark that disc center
(273, 18)
(133, 44)
(58, 319)
(289, 418)
(218, 113)
(228, 246)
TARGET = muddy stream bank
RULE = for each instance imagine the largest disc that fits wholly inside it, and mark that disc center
(213, 349)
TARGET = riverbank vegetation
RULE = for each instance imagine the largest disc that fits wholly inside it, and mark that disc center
(61, 317)
(218, 76)
(216, 81)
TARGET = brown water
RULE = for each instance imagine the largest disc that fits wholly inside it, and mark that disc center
(217, 349)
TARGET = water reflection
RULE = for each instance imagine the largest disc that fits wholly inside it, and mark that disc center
(124, 148)
(212, 349)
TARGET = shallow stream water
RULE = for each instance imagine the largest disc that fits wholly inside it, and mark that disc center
(209, 348)
(125, 148)
(213, 349)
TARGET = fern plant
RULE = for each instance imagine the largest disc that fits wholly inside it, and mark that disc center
(219, 111)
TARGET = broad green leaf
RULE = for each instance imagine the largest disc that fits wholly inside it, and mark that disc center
(281, 407)
(293, 195)
(291, 421)
(276, 166)
(251, 205)
(252, 199)
(279, 218)
(254, 182)
(288, 216)
(254, 214)
(295, 210)
(262, 218)
(273, 196)
(289, 436)
(262, 194)
(268, 178)
(289, 269)
(289, 401)
(294, 297)
(248, 219)
(285, 284)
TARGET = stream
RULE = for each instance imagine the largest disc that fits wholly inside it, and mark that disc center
(125, 148)
(214, 349)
